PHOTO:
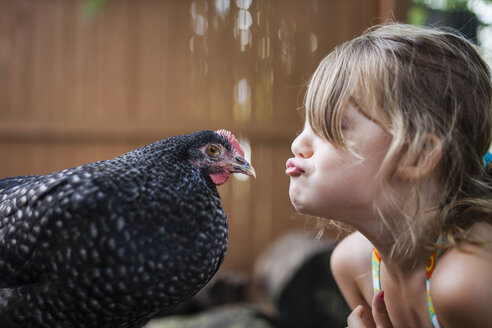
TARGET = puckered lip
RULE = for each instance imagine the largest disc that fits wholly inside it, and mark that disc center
(293, 169)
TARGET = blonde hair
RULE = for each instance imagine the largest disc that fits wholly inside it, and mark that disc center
(415, 82)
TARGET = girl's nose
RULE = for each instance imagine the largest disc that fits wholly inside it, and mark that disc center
(301, 146)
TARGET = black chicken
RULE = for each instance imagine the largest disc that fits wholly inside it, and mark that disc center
(117, 242)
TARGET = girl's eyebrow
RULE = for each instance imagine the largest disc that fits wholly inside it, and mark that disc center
(359, 108)
(363, 112)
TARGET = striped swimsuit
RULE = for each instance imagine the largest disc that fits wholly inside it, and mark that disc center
(376, 280)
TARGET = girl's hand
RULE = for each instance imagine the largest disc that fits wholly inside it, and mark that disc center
(379, 314)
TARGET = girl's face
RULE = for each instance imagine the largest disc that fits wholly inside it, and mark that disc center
(331, 182)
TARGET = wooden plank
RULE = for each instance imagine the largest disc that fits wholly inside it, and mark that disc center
(6, 55)
(240, 225)
(113, 61)
(43, 61)
(87, 81)
(264, 17)
(65, 70)
(198, 33)
(263, 192)
(394, 10)
(175, 18)
(20, 82)
(152, 78)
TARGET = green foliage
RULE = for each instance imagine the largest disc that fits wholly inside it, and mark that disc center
(417, 15)
(92, 7)
(444, 4)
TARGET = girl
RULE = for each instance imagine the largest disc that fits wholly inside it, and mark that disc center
(398, 122)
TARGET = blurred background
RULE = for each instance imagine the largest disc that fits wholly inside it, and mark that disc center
(87, 80)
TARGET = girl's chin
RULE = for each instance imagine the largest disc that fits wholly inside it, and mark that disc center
(303, 207)
(295, 199)
(294, 202)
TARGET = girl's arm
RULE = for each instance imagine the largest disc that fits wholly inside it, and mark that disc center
(351, 267)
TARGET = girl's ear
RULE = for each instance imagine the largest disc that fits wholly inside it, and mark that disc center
(423, 163)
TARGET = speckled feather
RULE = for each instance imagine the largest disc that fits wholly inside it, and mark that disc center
(111, 243)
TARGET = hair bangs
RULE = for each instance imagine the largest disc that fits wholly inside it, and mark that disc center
(334, 84)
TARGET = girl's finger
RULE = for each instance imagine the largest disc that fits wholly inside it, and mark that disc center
(379, 312)
(354, 320)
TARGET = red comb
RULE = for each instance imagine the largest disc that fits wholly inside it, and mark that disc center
(232, 140)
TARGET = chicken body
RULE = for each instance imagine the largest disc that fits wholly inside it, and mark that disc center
(112, 243)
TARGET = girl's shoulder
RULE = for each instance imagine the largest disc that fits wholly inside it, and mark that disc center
(461, 285)
(351, 267)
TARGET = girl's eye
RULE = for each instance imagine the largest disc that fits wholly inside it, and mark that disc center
(213, 150)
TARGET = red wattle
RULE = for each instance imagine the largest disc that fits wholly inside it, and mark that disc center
(219, 178)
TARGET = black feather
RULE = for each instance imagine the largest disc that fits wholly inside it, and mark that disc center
(111, 243)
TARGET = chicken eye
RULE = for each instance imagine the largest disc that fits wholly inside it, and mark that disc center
(213, 150)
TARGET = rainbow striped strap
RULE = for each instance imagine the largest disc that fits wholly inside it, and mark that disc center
(376, 262)
(376, 280)
(431, 264)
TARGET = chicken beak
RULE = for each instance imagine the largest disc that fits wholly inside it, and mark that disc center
(240, 165)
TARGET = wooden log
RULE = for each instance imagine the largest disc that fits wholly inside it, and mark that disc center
(294, 275)
(226, 287)
(221, 317)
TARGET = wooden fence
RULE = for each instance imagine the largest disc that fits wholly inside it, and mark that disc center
(80, 84)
